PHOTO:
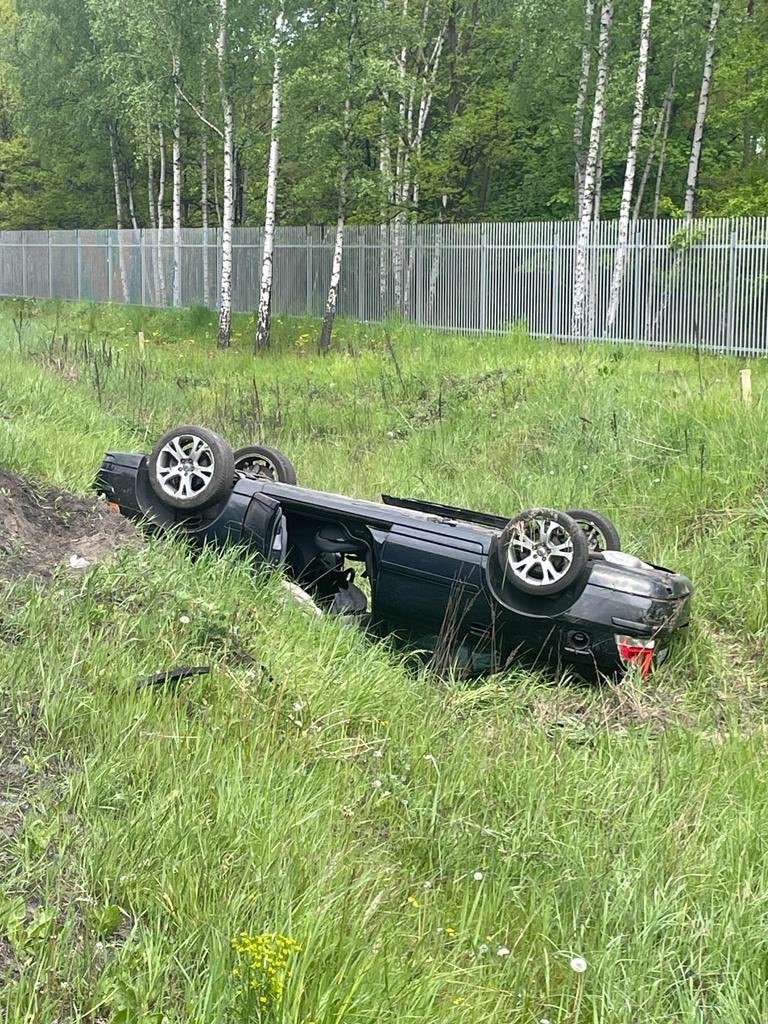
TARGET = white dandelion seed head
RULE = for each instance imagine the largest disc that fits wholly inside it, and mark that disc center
(298, 706)
(482, 949)
(378, 753)
(184, 620)
(478, 876)
(578, 964)
(377, 783)
(502, 951)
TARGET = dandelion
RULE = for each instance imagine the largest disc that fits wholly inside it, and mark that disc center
(378, 753)
(298, 705)
(502, 951)
(482, 949)
(377, 783)
(578, 964)
(478, 876)
(450, 932)
(544, 1020)
(413, 902)
(184, 620)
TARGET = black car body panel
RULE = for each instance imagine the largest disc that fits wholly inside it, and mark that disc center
(434, 576)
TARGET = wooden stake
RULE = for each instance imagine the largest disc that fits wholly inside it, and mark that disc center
(141, 343)
(745, 384)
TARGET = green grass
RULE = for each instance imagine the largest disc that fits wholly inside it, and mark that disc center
(337, 796)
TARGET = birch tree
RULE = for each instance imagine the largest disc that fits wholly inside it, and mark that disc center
(701, 114)
(629, 174)
(118, 208)
(265, 296)
(176, 206)
(329, 313)
(598, 118)
(228, 215)
(581, 104)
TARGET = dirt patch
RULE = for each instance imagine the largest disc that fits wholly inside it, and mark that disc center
(42, 528)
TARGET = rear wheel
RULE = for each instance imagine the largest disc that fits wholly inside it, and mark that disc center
(600, 532)
(542, 551)
(191, 467)
(261, 460)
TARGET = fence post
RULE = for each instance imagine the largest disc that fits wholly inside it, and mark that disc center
(143, 259)
(79, 265)
(308, 244)
(731, 312)
(483, 276)
(555, 318)
(637, 249)
(24, 264)
(50, 268)
(360, 274)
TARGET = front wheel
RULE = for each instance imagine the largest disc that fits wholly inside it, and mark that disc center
(191, 467)
(261, 460)
(600, 532)
(542, 551)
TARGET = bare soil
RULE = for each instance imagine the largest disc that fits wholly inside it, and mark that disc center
(42, 528)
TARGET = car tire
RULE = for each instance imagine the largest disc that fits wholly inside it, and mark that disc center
(265, 461)
(600, 532)
(542, 551)
(191, 467)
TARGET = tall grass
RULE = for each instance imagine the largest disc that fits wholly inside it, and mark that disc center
(439, 852)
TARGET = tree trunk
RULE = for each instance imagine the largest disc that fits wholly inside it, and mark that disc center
(434, 269)
(338, 246)
(629, 174)
(385, 176)
(598, 118)
(131, 205)
(225, 300)
(265, 296)
(581, 104)
(701, 115)
(118, 209)
(667, 117)
(204, 196)
(176, 185)
(151, 250)
(160, 216)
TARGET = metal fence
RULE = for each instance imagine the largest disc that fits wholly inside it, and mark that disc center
(706, 284)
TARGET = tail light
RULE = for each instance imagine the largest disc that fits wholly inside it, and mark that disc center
(634, 651)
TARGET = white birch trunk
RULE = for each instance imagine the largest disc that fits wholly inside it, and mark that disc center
(701, 115)
(385, 177)
(620, 258)
(434, 269)
(265, 295)
(151, 251)
(118, 210)
(176, 185)
(204, 197)
(131, 205)
(161, 216)
(225, 299)
(598, 117)
(581, 104)
(338, 245)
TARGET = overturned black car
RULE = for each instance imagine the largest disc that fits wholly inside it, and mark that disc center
(477, 590)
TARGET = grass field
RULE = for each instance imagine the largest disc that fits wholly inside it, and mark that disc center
(381, 845)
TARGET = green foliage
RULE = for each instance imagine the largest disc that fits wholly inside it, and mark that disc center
(498, 140)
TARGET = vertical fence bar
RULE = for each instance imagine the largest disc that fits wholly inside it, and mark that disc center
(483, 317)
(308, 245)
(79, 256)
(24, 264)
(143, 265)
(50, 267)
(730, 312)
(359, 231)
